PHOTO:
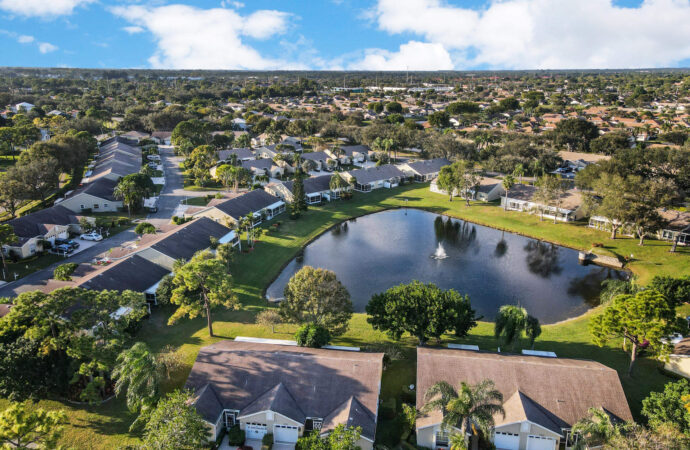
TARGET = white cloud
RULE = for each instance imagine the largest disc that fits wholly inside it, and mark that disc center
(133, 29)
(24, 39)
(42, 8)
(411, 56)
(46, 47)
(544, 34)
(194, 38)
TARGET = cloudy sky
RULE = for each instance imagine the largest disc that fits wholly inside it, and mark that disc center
(345, 34)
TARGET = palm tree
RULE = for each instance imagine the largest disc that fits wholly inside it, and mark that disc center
(508, 182)
(469, 405)
(594, 430)
(510, 324)
(519, 171)
(127, 191)
(138, 371)
(457, 442)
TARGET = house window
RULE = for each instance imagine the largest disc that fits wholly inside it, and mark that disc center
(442, 438)
(82, 206)
(95, 206)
(312, 423)
(105, 205)
(230, 418)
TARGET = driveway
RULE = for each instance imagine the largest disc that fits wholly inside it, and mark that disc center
(86, 255)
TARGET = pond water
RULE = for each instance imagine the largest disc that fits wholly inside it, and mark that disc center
(375, 252)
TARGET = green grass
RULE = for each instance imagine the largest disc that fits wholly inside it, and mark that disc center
(30, 265)
(106, 426)
(197, 201)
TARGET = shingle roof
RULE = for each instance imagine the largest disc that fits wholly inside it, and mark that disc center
(371, 174)
(557, 390)
(264, 164)
(118, 158)
(321, 381)
(315, 156)
(40, 222)
(190, 238)
(207, 403)
(134, 273)
(224, 155)
(251, 202)
(522, 192)
(312, 184)
(352, 414)
(350, 150)
(428, 166)
(277, 399)
(101, 188)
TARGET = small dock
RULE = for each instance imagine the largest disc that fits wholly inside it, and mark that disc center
(600, 260)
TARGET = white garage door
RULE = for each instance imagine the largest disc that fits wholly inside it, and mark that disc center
(285, 433)
(506, 441)
(540, 443)
(254, 430)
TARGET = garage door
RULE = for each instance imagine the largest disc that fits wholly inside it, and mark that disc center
(285, 433)
(254, 430)
(540, 443)
(506, 441)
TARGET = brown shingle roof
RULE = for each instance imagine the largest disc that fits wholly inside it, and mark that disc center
(556, 390)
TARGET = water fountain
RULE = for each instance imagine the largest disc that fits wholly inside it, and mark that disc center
(440, 252)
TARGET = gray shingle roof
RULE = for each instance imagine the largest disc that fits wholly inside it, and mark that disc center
(277, 399)
(224, 155)
(189, 239)
(378, 173)
(264, 164)
(315, 156)
(312, 184)
(134, 273)
(101, 188)
(251, 202)
(350, 150)
(207, 404)
(352, 414)
(428, 166)
(39, 223)
(117, 157)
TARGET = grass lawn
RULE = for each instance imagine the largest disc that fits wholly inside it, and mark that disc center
(197, 201)
(106, 426)
(30, 265)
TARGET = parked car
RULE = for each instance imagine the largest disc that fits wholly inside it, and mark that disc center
(62, 249)
(70, 242)
(93, 236)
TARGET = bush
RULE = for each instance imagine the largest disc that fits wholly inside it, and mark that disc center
(123, 221)
(214, 243)
(267, 441)
(64, 272)
(236, 436)
(312, 335)
(86, 211)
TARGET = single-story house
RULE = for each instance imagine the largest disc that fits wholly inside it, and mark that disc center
(242, 154)
(604, 224)
(319, 158)
(350, 154)
(117, 157)
(490, 189)
(543, 397)
(521, 198)
(136, 135)
(48, 224)
(285, 390)
(364, 180)
(96, 196)
(679, 360)
(267, 151)
(258, 202)
(423, 170)
(260, 167)
(678, 226)
(316, 189)
(162, 137)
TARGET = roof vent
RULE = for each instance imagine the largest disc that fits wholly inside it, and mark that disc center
(464, 347)
(539, 353)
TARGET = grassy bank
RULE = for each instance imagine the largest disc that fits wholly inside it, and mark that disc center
(106, 426)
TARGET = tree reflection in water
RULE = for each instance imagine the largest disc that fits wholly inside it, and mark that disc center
(588, 287)
(339, 229)
(501, 246)
(459, 234)
(542, 258)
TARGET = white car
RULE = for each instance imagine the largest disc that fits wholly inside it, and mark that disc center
(93, 236)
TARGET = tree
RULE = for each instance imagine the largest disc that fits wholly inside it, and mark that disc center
(439, 119)
(596, 429)
(643, 318)
(510, 324)
(312, 335)
(423, 310)
(668, 406)
(508, 183)
(230, 175)
(23, 427)
(13, 191)
(299, 199)
(39, 178)
(637, 437)
(7, 237)
(612, 200)
(316, 296)
(143, 228)
(448, 181)
(468, 179)
(64, 272)
(549, 191)
(226, 254)
(175, 423)
(676, 290)
(394, 107)
(466, 406)
(340, 438)
(129, 193)
(269, 318)
(532, 329)
(575, 134)
(337, 183)
(138, 373)
(200, 285)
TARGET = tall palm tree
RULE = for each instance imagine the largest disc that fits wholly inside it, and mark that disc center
(138, 371)
(470, 404)
(508, 183)
(127, 191)
(510, 323)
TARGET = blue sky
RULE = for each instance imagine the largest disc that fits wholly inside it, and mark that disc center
(345, 34)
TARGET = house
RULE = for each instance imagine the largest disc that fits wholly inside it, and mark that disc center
(679, 360)
(543, 397)
(285, 390)
(490, 189)
(316, 189)
(32, 230)
(319, 158)
(261, 167)
(239, 124)
(424, 170)
(521, 198)
(573, 162)
(350, 154)
(242, 154)
(258, 202)
(365, 180)
(162, 137)
(96, 196)
(136, 136)
(267, 151)
(23, 106)
(116, 159)
(677, 226)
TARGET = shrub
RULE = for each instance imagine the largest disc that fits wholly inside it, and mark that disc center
(214, 243)
(267, 441)
(123, 221)
(86, 211)
(64, 272)
(236, 436)
(597, 244)
(312, 335)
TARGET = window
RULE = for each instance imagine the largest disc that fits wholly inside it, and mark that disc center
(82, 206)
(105, 205)
(95, 206)
(312, 423)
(230, 418)
(442, 438)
